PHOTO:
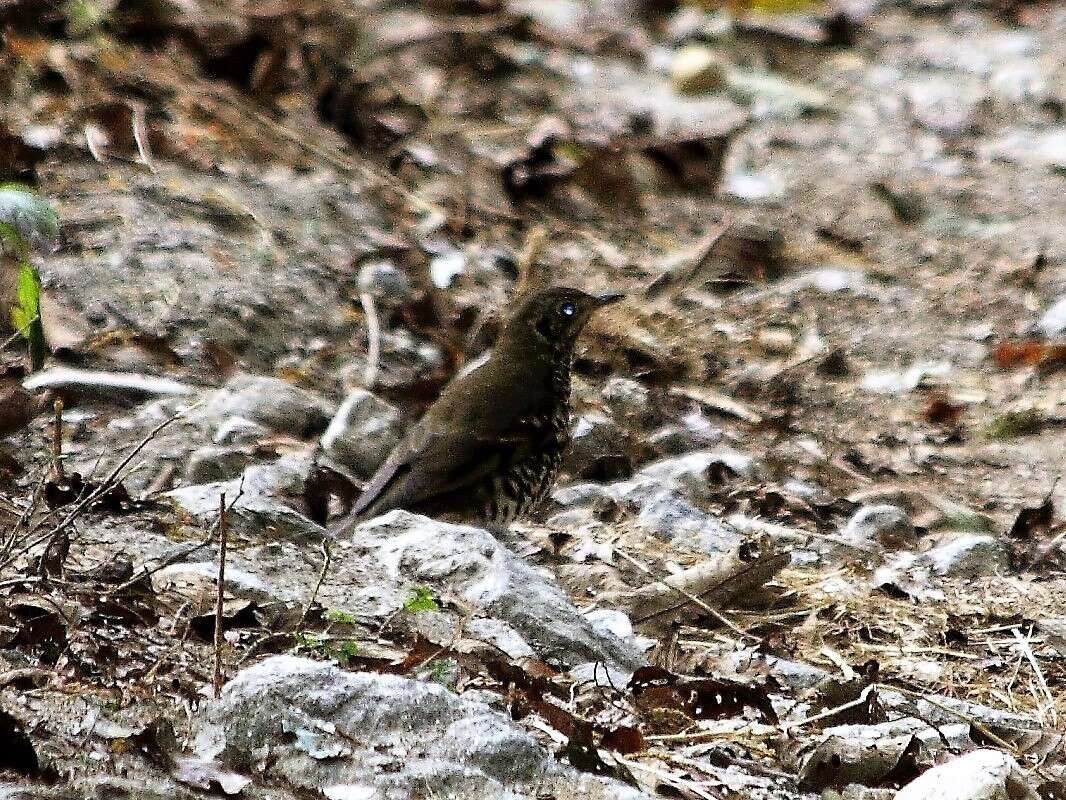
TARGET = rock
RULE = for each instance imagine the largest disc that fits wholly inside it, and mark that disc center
(100, 786)
(271, 402)
(469, 563)
(210, 464)
(888, 526)
(316, 728)
(597, 450)
(668, 514)
(1046, 148)
(1053, 323)
(944, 105)
(928, 511)
(626, 397)
(773, 96)
(691, 473)
(1054, 630)
(699, 70)
(444, 268)
(662, 495)
(978, 775)
(764, 186)
(827, 280)
(796, 675)
(776, 341)
(664, 512)
(903, 381)
(362, 433)
(695, 432)
(689, 22)
(257, 501)
(969, 555)
(239, 430)
(197, 580)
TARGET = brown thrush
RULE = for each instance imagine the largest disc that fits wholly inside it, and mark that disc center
(488, 450)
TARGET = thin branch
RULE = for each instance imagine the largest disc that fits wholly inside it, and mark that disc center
(327, 558)
(57, 438)
(220, 597)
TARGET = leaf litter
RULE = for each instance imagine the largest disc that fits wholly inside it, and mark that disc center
(235, 89)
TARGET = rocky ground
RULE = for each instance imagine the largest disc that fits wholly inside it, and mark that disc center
(809, 536)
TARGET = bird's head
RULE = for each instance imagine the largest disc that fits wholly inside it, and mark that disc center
(557, 315)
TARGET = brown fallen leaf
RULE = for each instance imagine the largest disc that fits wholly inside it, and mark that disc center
(941, 411)
(1030, 353)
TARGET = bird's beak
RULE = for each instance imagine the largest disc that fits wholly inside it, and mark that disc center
(606, 298)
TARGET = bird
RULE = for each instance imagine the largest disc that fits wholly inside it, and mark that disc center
(488, 450)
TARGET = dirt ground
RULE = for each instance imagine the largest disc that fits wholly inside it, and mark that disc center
(855, 296)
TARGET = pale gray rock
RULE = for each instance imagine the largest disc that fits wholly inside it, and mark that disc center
(884, 525)
(1053, 323)
(311, 726)
(691, 474)
(944, 105)
(693, 432)
(978, 775)
(625, 397)
(664, 493)
(382, 280)
(469, 563)
(259, 501)
(271, 402)
(211, 463)
(969, 555)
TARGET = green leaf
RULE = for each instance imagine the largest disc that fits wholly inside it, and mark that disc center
(28, 215)
(341, 617)
(26, 313)
(421, 599)
(346, 651)
(28, 297)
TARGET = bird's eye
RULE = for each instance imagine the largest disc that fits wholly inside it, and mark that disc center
(567, 309)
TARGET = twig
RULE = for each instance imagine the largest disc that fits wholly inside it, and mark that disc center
(1027, 651)
(57, 438)
(373, 340)
(698, 601)
(327, 558)
(220, 598)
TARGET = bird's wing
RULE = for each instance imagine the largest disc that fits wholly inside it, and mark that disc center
(462, 438)
(434, 464)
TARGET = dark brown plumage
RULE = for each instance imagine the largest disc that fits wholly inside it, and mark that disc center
(488, 450)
